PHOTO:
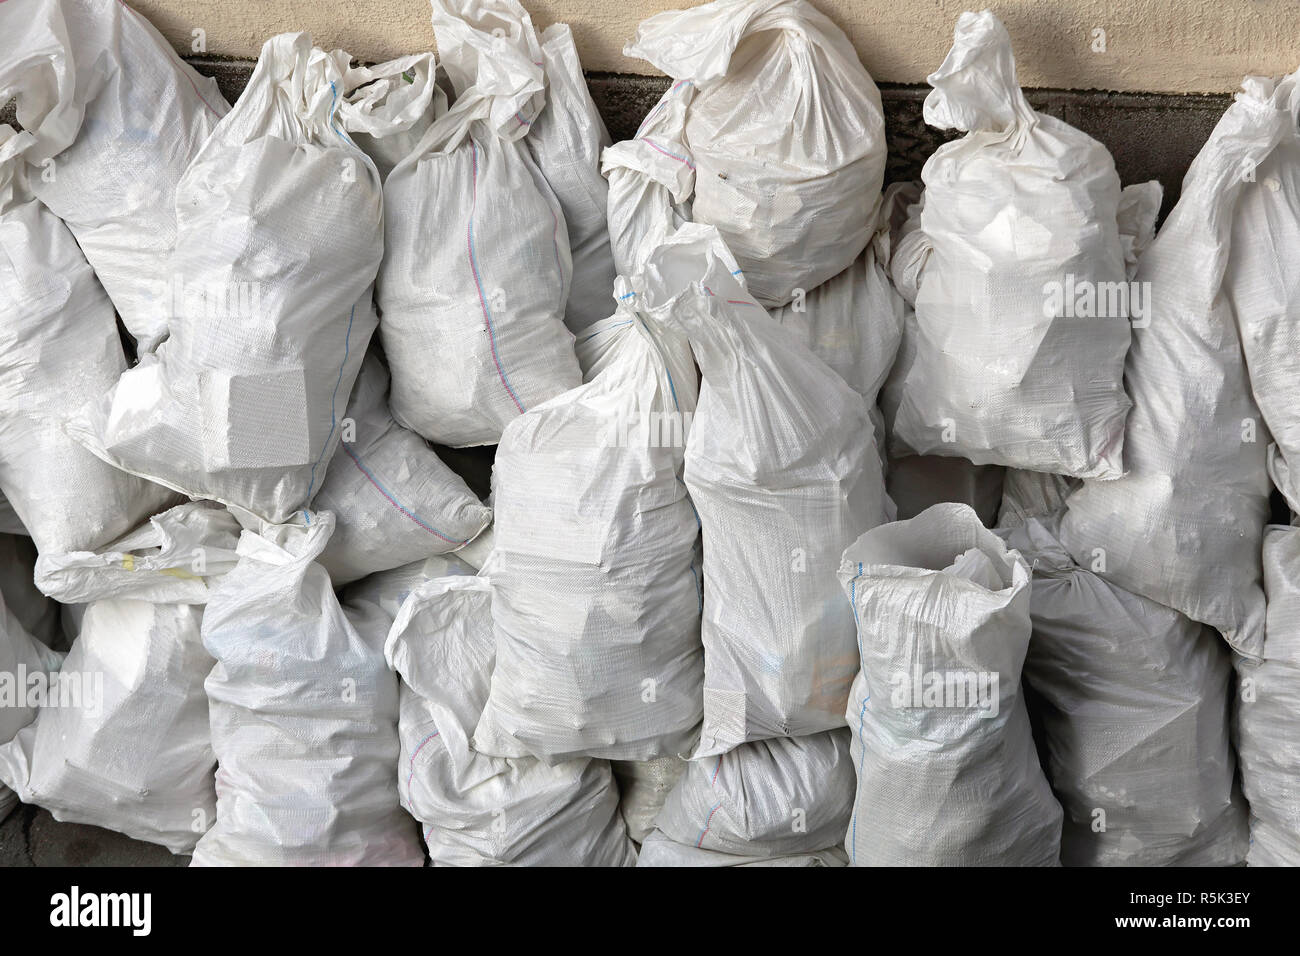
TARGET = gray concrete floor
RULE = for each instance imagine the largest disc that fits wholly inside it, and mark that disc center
(31, 837)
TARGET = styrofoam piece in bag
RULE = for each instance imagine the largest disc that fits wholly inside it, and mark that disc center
(117, 118)
(281, 216)
(22, 658)
(643, 788)
(766, 798)
(784, 134)
(1264, 292)
(473, 323)
(659, 850)
(1183, 526)
(1268, 702)
(566, 141)
(136, 755)
(596, 594)
(386, 108)
(651, 179)
(40, 616)
(1133, 702)
(478, 810)
(947, 770)
(59, 347)
(393, 499)
(1004, 372)
(782, 468)
(304, 713)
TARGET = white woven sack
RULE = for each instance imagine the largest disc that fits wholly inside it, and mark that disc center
(21, 658)
(784, 135)
(1268, 702)
(478, 810)
(303, 710)
(473, 311)
(280, 236)
(118, 117)
(767, 798)
(566, 141)
(1004, 374)
(596, 593)
(947, 771)
(1183, 526)
(643, 788)
(1133, 704)
(59, 347)
(136, 756)
(782, 467)
(394, 501)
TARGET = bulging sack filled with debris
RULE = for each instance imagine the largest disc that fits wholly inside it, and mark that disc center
(135, 755)
(478, 810)
(1268, 700)
(304, 716)
(28, 669)
(1021, 334)
(784, 135)
(393, 499)
(659, 850)
(1183, 526)
(1133, 702)
(117, 118)
(473, 310)
(59, 348)
(947, 771)
(280, 236)
(1263, 288)
(596, 593)
(387, 108)
(767, 798)
(566, 141)
(782, 468)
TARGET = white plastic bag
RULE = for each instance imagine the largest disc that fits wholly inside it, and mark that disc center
(22, 658)
(59, 347)
(1268, 702)
(117, 117)
(947, 771)
(136, 756)
(566, 141)
(1183, 526)
(784, 135)
(1133, 702)
(478, 810)
(280, 236)
(782, 468)
(394, 501)
(767, 798)
(304, 716)
(1005, 372)
(473, 309)
(596, 593)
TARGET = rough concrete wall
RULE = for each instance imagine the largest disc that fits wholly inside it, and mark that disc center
(1156, 45)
